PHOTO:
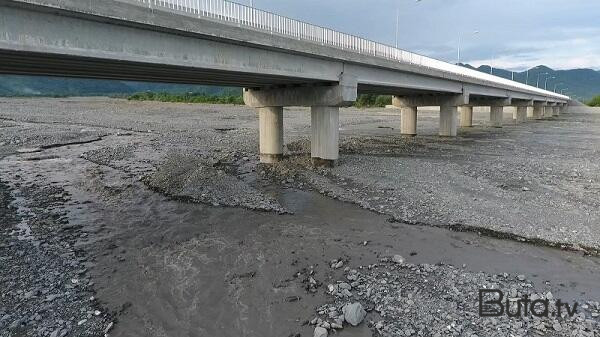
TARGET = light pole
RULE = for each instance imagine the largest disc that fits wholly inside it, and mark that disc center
(546, 83)
(459, 40)
(252, 3)
(398, 22)
(538, 80)
(556, 85)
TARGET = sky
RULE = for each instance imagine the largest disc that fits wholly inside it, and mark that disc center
(510, 34)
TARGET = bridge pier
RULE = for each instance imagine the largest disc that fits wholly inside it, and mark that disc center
(324, 101)
(325, 126)
(448, 120)
(538, 110)
(270, 121)
(556, 111)
(466, 116)
(522, 110)
(496, 116)
(448, 111)
(548, 110)
(408, 121)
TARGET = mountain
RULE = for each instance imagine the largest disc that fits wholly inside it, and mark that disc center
(582, 84)
(17, 85)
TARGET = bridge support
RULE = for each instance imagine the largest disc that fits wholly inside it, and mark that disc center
(448, 120)
(556, 111)
(521, 114)
(408, 121)
(325, 124)
(448, 111)
(548, 110)
(496, 116)
(271, 134)
(323, 99)
(538, 110)
(466, 116)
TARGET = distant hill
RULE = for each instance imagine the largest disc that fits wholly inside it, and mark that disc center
(582, 83)
(16, 85)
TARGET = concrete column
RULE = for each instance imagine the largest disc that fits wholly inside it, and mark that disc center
(548, 111)
(496, 116)
(324, 147)
(271, 134)
(408, 121)
(538, 111)
(466, 116)
(564, 108)
(529, 112)
(521, 114)
(448, 120)
(555, 111)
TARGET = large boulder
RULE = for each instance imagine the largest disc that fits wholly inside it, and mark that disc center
(354, 313)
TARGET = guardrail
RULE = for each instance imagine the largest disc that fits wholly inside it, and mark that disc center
(241, 15)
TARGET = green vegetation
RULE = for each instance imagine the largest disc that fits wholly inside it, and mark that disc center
(188, 98)
(372, 101)
(595, 102)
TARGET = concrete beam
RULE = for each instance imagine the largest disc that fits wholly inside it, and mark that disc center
(271, 134)
(343, 94)
(324, 147)
(485, 101)
(466, 116)
(430, 100)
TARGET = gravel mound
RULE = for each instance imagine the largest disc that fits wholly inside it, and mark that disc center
(404, 299)
(209, 181)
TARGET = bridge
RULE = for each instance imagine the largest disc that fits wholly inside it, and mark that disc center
(279, 62)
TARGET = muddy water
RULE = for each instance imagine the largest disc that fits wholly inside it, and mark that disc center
(181, 269)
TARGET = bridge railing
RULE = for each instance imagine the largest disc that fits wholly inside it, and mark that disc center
(241, 15)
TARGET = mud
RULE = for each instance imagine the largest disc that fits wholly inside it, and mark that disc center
(167, 261)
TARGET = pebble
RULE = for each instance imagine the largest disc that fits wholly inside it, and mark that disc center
(320, 332)
(354, 313)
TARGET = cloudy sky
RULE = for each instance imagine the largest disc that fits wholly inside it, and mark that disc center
(513, 34)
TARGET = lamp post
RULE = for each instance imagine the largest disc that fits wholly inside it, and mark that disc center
(398, 22)
(556, 85)
(459, 41)
(538, 79)
(546, 83)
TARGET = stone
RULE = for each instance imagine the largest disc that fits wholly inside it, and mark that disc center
(354, 313)
(398, 259)
(320, 332)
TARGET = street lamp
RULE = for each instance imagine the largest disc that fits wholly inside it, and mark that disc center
(546, 83)
(556, 85)
(398, 22)
(538, 79)
(474, 33)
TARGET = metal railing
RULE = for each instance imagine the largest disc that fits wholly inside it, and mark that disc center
(241, 15)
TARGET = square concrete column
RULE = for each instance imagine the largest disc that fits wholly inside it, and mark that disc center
(408, 121)
(521, 114)
(555, 111)
(563, 108)
(448, 120)
(548, 111)
(271, 134)
(529, 112)
(466, 116)
(538, 111)
(496, 116)
(325, 125)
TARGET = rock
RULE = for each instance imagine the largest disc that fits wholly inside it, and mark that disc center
(320, 332)
(521, 277)
(354, 313)
(398, 259)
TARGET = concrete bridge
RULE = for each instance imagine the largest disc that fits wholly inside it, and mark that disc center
(279, 61)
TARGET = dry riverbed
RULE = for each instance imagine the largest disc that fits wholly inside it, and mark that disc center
(155, 219)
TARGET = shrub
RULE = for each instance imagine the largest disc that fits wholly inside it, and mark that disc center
(187, 98)
(595, 102)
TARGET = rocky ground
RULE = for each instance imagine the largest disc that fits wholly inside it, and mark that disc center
(155, 219)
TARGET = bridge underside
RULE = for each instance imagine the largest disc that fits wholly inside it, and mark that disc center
(47, 64)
